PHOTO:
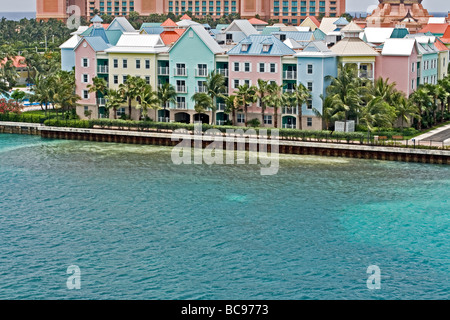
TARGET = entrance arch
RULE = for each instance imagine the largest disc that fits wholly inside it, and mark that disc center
(204, 118)
(183, 117)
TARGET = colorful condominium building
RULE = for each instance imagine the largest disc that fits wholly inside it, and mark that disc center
(289, 11)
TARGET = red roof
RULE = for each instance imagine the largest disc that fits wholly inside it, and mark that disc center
(314, 20)
(104, 25)
(440, 46)
(435, 28)
(256, 22)
(169, 23)
(446, 37)
(185, 17)
(169, 37)
(18, 62)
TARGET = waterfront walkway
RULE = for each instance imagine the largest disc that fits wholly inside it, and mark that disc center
(439, 135)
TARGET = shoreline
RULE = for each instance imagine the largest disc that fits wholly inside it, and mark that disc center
(285, 146)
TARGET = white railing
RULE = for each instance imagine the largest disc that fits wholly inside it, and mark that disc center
(200, 89)
(221, 106)
(366, 74)
(101, 101)
(289, 90)
(180, 71)
(290, 75)
(289, 110)
(163, 119)
(223, 72)
(220, 122)
(181, 89)
(102, 69)
(180, 105)
(201, 72)
(163, 71)
(289, 126)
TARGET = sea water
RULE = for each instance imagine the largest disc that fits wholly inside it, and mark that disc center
(140, 227)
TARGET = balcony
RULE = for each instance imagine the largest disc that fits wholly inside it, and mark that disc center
(201, 89)
(163, 71)
(201, 72)
(102, 69)
(366, 74)
(221, 106)
(181, 105)
(223, 72)
(181, 89)
(220, 122)
(180, 72)
(289, 110)
(290, 75)
(289, 90)
(163, 119)
(289, 126)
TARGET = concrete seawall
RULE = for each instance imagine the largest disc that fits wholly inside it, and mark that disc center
(285, 146)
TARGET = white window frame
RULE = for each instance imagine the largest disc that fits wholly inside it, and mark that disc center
(85, 94)
(85, 78)
(82, 62)
(241, 118)
(238, 65)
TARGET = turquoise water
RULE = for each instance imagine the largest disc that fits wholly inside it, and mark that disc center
(140, 227)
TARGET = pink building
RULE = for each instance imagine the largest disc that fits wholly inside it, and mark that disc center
(399, 62)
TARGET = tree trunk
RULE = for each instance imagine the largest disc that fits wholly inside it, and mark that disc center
(275, 112)
(129, 108)
(245, 110)
(233, 114)
(300, 115)
(262, 115)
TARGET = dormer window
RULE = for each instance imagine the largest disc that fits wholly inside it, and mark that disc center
(244, 47)
(266, 48)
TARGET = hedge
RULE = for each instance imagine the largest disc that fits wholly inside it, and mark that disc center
(69, 123)
(22, 117)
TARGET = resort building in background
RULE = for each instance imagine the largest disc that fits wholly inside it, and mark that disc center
(289, 11)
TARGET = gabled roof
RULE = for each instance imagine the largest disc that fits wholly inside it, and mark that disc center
(80, 30)
(257, 22)
(437, 29)
(138, 43)
(436, 20)
(319, 34)
(96, 18)
(71, 42)
(296, 35)
(121, 23)
(150, 25)
(185, 17)
(187, 23)
(427, 48)
(341, 22)
(398, 47)
(376, 35)
(113, 36)
(256, 43)
(170, 37)
(440, 45)
(204, 36)
(270, 30)
(446, 37)
(353, 47)
(399, 33)
(291, 43)
(352, 27)
(169, 23)
(316, 49)
(327, 25)
(242, 25)
(312, 19)
(152, 30)
(97, 44)
(221, 26)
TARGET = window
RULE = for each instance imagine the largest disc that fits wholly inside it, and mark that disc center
(262, 67)
(310, 86)
(116, 63)
(147, 64)
(247, 82)
(247, 67)
(267, 119)
(115, 79)
(181, 102)
(273, 68)
(85, 78)
(85, 62)
(412, 67)
(85, 94)
(266, 47)
(309, 104)
(120, 112)
(181, 69)
(124, 63)
(138, 63)
(310, 69)
(202, 70)
(241, 118)
(309, 122)
(147, 79)
(124, 79)
(412, 84)
(235, 83)
(244, 47)
(236, 66)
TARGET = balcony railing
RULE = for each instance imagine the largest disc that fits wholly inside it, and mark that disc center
(289, 110)
(223, 72)
(181, 72)
(366, 74)
(180, 105)
(163, 71)
(289, 90)
(102, 69)
(163, 119)
(221, 107)
(181, 89)
(201, 72)
(200, 89)
(289, 126)
(290, 75)
(101, 101)
(220, 122)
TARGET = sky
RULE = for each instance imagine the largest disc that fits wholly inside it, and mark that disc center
(352, 5)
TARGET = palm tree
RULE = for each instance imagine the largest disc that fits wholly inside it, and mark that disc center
(202, 102)
(130, 90)
(113, 100)
(405, 110)
(246, 95)
(231, 106)
(301, 95)
(147, 99)
(344, 92)
(262, 92)
(377, 113)
(64, 92)
(43, 91)
(167, 94)
(98, 86)
(215, 88)
(422, 100)
(275, 99)
(328, 112)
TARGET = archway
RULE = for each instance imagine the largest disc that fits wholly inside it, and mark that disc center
(204, 118)
(182, 117)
